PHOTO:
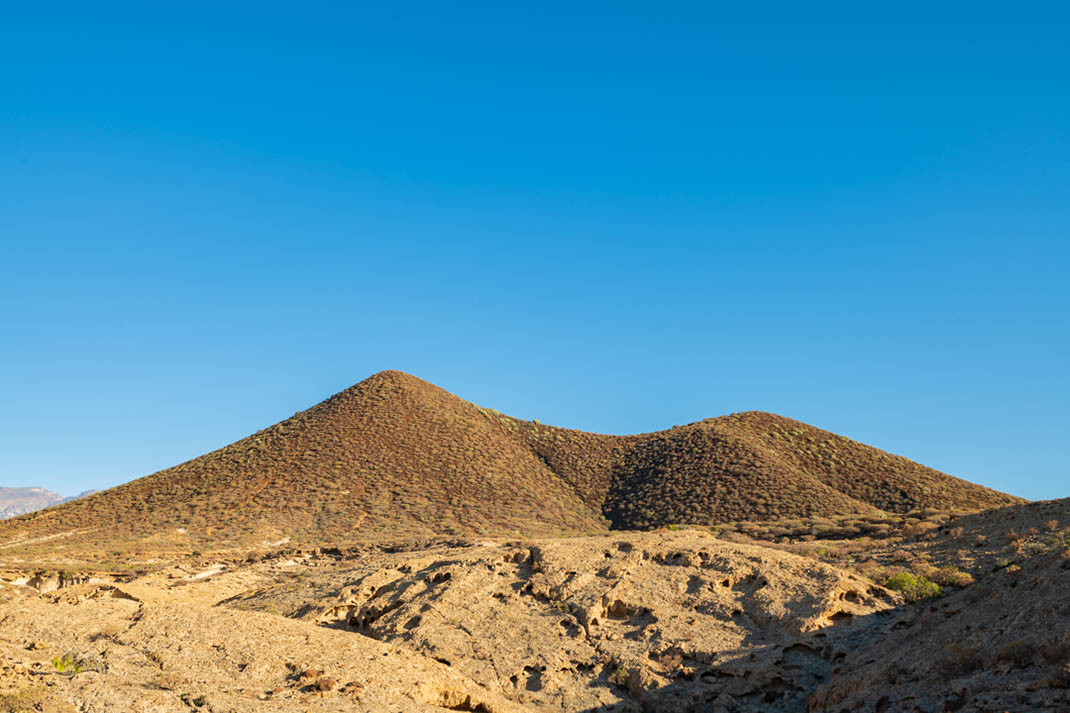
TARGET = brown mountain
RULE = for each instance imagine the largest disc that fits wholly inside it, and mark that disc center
(395, 457)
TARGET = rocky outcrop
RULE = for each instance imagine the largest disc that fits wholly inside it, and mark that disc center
(657, 622)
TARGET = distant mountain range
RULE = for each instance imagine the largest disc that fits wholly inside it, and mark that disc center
(397, 457)
(19, 501)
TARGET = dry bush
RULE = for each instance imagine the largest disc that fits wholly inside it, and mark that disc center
(1055, 652)
(738, 537)
(111, 631)
(1015, 539)
(872, 570)
(960, 660)
(949, 576)
(1060, 676)
(920, 528)
(23, 699)
(1032, 548)
(168, 681)
(1018, 654)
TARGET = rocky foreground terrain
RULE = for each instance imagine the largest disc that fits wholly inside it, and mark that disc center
(655, 622)
(396, 548)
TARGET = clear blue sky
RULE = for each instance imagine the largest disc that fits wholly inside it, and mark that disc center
(610, 216)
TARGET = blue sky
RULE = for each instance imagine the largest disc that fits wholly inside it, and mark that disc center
(610, 216)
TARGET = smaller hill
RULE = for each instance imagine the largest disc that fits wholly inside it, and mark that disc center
(745, 466)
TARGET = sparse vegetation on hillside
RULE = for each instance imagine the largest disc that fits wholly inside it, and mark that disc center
(395, 457)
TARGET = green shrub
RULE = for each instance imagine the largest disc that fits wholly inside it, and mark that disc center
(73, 663)
(66, 663)
(912, 587)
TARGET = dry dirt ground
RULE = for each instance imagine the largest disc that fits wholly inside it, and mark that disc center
(656, 622)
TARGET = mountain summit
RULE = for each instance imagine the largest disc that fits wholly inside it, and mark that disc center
(395, 457)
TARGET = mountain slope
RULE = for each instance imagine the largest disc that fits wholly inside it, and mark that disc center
(392, 456)
(396, 457)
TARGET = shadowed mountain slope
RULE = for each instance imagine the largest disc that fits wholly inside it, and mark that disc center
(395, 456)
(746, 466)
